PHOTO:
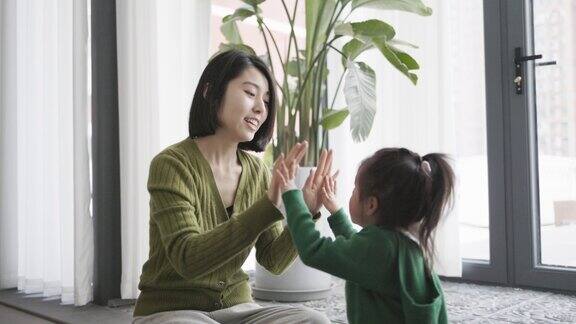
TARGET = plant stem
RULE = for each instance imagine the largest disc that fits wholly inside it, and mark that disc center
(319, 18)
(284, 139)
(310, 70)
(306, 114)
(319, 97)
(285, 97)
(292, 20)
(270, 58)
(339, 51)
(341, 77)
(338, 88)
(275, 45)
(293, 34)
(287, 59)
(331, 25)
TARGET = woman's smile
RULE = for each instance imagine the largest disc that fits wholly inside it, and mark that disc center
(253, 123)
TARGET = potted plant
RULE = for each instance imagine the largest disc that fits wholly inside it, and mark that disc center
(305, 112)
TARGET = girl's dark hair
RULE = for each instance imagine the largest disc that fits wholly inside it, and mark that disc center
(407, 192)
(210, 92)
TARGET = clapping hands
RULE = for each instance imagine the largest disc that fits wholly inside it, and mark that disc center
(290, 162)
(319, 188)
(328, 194)
(312, 189)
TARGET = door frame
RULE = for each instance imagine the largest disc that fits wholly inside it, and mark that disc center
(496, 269)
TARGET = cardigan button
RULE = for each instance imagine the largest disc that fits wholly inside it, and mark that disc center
(221, 283)
(217, 304)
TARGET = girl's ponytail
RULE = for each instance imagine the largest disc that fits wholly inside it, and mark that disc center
(438, 194)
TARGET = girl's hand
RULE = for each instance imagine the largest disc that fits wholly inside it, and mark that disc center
(312, 189)
(294, 156)
(286, 174)
(328, 195)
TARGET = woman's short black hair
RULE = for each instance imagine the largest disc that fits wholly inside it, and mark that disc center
(210, 92)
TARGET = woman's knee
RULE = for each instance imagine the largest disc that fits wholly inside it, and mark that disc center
(314, 316)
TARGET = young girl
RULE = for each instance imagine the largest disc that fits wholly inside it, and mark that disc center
(398, 199)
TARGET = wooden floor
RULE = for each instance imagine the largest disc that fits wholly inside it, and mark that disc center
(14, 316)
(20, 308)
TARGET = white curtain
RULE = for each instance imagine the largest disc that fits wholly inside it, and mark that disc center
(427, 117)
(45, 222)
(8, 179)
(162, 49)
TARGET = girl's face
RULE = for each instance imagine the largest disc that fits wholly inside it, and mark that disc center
(245, 106)
(355, 207)
(362, 212)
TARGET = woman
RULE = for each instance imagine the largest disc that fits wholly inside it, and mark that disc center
(211, 203)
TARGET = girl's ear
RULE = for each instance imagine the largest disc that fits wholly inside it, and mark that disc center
(371, 205)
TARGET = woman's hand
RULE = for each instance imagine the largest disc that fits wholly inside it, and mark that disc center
(312, 188)
(328, 195)
(292, 160)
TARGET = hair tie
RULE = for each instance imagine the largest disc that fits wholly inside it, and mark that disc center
(426, 167)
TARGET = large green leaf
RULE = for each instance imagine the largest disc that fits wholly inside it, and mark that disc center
(360, 94)
(253, 3)
(400, 42)
(413, 6)
(353, 48)
(405, 58)
(241, 47)
(333, 118)
(400, 60)
(229, 28)
(379, 34)
(241, 14)
(230, 31)
(366, 30)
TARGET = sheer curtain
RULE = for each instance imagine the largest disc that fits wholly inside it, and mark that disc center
(8, 179)
(45, 222)
(162, 50)
(427, 117)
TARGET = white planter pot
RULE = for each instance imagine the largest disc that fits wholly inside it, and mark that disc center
(299, 282)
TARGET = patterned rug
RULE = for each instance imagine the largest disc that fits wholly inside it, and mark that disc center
(469, 303)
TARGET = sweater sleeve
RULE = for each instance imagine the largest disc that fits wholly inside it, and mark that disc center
(353, 258)
(173, 202)
(340, 224)
(275, 249)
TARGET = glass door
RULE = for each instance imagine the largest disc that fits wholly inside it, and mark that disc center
(542, 42)
(555, 108)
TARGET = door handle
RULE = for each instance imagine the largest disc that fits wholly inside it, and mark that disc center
(546, 63)
(519, 71)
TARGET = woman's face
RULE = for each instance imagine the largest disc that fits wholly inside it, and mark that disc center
(245, 105)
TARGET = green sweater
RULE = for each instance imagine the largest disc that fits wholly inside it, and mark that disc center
(196, 249)
(386, 281)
